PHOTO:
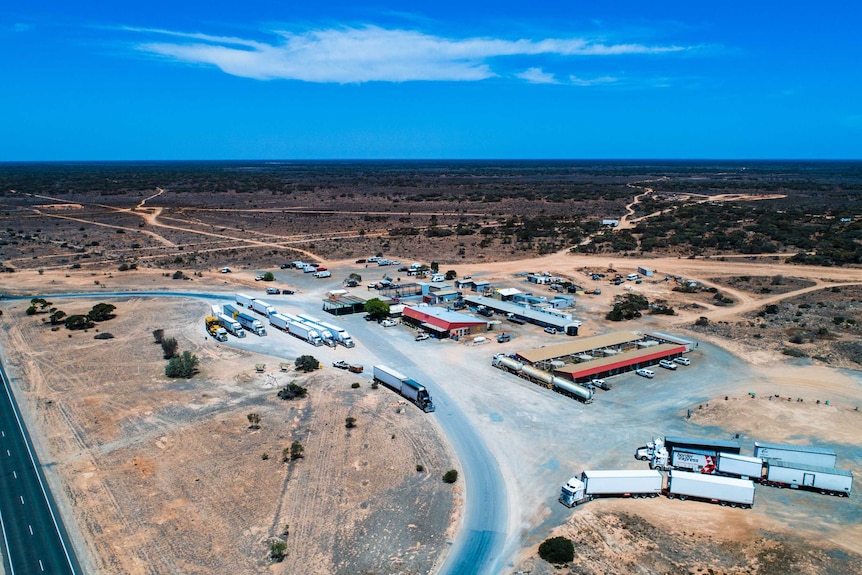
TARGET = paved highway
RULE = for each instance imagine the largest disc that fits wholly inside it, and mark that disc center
(34, 538)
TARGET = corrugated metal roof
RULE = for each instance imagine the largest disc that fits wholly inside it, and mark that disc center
(446, 315)
(624, 359)
(579, 346)
(681, 441)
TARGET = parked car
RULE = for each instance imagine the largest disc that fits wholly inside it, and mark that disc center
(288, 292)
(600, 383)
(645, 373)
(321, 269)
(503, 338)
(360, 261)
(682, 360)
(273, 291)
(667, 364)
(551, 330)
(340, 364)
(368, 317)
(258, 278)
(388, 323)
(422, 336)
(284, 266)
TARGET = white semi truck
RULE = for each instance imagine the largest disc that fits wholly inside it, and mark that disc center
(407, 387)
(251, 323)
(261, 307)
(232, 326)
(633, 483)
(340, 334)
(244, 300)
(689, 453)
(819, 456)
(326, 335)
(305, 332)
(722, 490)
(826, 480)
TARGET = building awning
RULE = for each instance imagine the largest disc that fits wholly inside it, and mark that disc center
(433, 327)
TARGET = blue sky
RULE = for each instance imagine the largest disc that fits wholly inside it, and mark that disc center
(577, 79)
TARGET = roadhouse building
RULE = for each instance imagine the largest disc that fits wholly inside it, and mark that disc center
(443, 323)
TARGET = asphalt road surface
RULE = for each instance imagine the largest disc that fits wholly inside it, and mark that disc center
(34, 538)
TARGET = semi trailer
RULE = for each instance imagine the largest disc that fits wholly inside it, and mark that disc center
(232, 326)
(685, 453)
(819, 456)
(250, 323)
(325, 334)
(261, 307)
(304, 332)
(742, 466)
(407, 387)
(633, 483)
(280, 321)
(826, 480)
(722, 490)
(543, 378)
(244, 300)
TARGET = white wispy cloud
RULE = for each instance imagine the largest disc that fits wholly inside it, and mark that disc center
(353, 55)
(593, 81)
(537, 76)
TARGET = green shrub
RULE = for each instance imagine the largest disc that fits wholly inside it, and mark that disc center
(557, 550)
(306, 363)
(292, 391)
(182, 365)
(450, 476)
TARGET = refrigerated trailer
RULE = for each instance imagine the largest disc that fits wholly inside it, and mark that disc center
(807, 455)
(826, 480)
(633, 483)
(250, 323)
(714, 488)
(262, 307)
(244, 300)
(340, 334)
(407, 387)
(232, 326)
(741, 466)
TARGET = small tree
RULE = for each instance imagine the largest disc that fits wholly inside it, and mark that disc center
(254, 420)
(57, 316)
(169, 347)
(78, 321)
(183, 365)
(377, 308)
(349, 422)
(292, 391)
(451, 274)
(278, 551)
(557, 550)
(268, 277)
(435, 267)
(296, 450)
(450, 476)
(306, 363)
(101, 312)
(158, 334)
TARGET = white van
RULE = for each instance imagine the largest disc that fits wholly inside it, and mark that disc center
(632, 277)
(438, 278)
(324, 274)
(645, 373)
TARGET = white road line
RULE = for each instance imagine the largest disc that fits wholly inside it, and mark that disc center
(31, 529)
(42, 567)
(15, 474)
(7, 453)
(3, 433)
(22, 499)
(36, 471)
(6, 541)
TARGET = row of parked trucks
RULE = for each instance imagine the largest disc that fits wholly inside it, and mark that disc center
(236, 320)
(713, 470)
(543, 378)
(794, 466)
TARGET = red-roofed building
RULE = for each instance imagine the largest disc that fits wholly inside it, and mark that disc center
(443, 323)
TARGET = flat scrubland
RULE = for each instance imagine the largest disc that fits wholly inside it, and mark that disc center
(158, 475)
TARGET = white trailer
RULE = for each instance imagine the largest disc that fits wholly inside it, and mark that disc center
(325, 334)
(232, 326)
(261, 307)
(714, 488)
(826, 480)
(407, 387)
(633, 483)
(693, 460)
(250, 323)
(279, 321)
(741, 466)
(215, 309)
(244, 300)
(340, 334)
(305, 332)
(807, 455)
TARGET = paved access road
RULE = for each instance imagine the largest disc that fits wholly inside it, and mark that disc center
(34, 538)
